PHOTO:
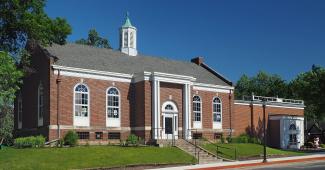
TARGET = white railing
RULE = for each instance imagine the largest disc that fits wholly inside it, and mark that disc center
(272, 99)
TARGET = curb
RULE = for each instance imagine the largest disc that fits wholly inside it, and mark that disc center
(261, 164)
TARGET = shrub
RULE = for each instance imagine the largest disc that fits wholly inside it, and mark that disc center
(133, 139)
(229, 139)
(71, 138)
(309, 145)
(29, 142)
(243, 138)
(222, 139)
(322, 146)
(254, 140)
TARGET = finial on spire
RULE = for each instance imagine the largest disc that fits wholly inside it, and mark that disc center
(127, 22)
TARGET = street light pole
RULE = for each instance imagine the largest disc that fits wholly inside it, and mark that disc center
(264, 131)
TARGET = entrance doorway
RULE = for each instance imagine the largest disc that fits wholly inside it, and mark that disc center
(170, 120)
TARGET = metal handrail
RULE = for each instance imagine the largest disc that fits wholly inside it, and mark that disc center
(217, 150)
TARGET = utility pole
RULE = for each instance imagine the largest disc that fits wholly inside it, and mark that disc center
(264, 131)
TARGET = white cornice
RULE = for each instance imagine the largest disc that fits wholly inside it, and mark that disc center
(212, 88)
(122, 75)
(173, 76)
(92, 74)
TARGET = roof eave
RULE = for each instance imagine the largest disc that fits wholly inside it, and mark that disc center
(216, 74)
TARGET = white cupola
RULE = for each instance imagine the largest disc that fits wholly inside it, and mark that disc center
(128, 38)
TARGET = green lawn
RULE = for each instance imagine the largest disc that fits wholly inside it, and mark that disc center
(88, 157)
(247, 150)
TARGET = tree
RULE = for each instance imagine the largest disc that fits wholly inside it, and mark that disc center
(10, 79)
(6, 128)
(262, 84)
(94, 40)
(23, 20)
(310, 86)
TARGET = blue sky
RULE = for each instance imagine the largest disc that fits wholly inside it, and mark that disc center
(282, 37)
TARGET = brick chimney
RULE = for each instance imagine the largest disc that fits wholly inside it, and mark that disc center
(197, 60)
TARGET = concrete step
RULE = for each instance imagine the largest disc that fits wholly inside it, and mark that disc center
(204, 156)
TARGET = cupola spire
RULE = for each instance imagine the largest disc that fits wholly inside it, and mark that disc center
(128, 37)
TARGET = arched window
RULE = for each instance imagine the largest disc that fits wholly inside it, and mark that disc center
(40, 99)
(81, 104)
(293, 134)
(292, 127)
(197, 108)
(169, 107)
(113, 103)
(217, 112)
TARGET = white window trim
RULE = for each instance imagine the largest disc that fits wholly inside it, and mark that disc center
(78, 120)
(197, 124)
(175, 110)
(113, 122)
(40, 119)
(20, 111)
(216, 125)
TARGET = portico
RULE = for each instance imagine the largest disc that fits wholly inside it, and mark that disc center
(168, 127)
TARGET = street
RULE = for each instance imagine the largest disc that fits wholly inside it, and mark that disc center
(314, 165)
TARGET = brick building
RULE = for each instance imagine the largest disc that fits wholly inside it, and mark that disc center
(106, 94)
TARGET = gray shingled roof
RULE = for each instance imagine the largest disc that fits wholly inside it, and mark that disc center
(82, 56)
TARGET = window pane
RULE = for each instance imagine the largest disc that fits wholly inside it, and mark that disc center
(84, 112)
(218, 117)
(78, 110)
(218, 108)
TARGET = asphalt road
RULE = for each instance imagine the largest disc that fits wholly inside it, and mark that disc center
(314, 165)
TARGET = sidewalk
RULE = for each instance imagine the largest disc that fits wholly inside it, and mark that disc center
(251, 163)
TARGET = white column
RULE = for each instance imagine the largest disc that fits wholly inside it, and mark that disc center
(186, 114)
(189, 98)
(154, 105)
(155, 109)
(158, 109)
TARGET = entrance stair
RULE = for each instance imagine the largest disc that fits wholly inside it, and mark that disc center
(203, 156)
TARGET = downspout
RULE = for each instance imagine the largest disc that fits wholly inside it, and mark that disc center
(58, 81)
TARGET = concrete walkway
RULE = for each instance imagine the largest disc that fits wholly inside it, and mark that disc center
(252, 163)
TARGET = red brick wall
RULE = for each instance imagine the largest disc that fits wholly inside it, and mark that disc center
(97, 90)
(250, 121)
(142, 113)
(207, 121)
(40, 66)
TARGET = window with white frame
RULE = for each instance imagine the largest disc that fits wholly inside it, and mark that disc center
(20, 111)
(197, 108)
(113, 103)
(293, 135)
(217, 112)
(40, 104)
(81, 104)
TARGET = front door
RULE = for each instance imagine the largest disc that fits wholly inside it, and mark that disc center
(170, 126)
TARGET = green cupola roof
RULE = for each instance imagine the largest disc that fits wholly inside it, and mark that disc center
(127, 22)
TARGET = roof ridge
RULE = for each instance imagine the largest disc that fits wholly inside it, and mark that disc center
(118, 51)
